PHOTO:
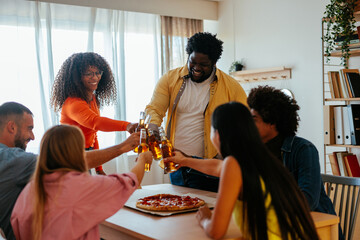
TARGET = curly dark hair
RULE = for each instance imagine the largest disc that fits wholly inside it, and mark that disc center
(206, 43)
(68, 81)
(275, 107)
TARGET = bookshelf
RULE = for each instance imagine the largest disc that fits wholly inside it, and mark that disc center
(328, 100)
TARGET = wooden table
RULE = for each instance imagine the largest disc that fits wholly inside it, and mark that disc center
(326, 225)
(132, 224)
(128, 223)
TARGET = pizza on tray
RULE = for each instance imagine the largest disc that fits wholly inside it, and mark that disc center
(169, 202)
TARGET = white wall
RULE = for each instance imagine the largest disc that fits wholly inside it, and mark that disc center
(279, 33)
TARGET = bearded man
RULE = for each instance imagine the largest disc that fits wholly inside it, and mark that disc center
(189, 95)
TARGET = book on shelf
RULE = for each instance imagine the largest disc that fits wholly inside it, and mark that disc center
(352, 78)
(332, 93)
(354, 121)
(340, 159)
(341, 38)
(346, 125)
(334, 165)
(352, 165)
(334, 88)
(338, 123)
(329, 127)
(355, 43)
(344, 93)
(342, 73)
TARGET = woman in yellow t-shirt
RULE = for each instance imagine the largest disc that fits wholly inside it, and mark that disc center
(254, 186)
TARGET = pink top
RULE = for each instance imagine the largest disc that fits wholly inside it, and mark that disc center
(74, 205)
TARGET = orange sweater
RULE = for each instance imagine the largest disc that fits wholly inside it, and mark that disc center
(76, 111)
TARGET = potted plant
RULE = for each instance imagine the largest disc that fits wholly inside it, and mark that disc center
(340, 24)
(236, 66)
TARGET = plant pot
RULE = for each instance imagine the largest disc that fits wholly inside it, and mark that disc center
(238, 67)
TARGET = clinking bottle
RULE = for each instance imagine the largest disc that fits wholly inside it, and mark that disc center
(154, 145)
(140, 126)
(167, 151)
(141, 121)
(143, 147)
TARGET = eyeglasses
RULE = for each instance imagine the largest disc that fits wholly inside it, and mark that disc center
(92, 74)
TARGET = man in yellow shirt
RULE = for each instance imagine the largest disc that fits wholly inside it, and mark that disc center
(189, 95)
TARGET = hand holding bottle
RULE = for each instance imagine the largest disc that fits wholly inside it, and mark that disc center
(167, 151)
(178, 160)
(143, 147)
(131, 127)
(131, 142)
(145, 158)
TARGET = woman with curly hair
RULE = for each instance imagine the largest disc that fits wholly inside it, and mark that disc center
(83, 84)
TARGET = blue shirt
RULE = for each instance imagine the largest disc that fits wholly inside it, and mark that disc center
(16, 168)
(301, 158)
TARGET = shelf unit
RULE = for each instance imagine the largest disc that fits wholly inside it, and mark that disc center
(340, 99)
(262, 74)
(342, 145)
(335, 56)
(353, 52)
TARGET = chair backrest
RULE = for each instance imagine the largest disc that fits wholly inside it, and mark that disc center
(345, 195)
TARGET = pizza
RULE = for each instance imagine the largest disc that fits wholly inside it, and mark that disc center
(169, 202)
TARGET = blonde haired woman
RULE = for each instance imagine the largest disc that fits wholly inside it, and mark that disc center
(61, 202)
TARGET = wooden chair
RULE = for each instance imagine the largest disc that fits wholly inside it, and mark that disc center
(345, 195)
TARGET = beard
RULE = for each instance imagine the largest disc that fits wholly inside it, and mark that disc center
(204, 75)
(197, 80)
(19, 142)
(200, 80)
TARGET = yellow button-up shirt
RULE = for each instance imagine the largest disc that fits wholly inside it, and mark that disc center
(222, 90)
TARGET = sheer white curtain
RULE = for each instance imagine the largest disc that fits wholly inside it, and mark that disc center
(35, 39)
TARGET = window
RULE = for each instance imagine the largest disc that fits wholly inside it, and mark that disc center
(36, 38)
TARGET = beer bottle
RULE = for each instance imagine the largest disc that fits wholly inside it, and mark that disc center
(147, 121)
(141, 125)
(143, 147)
(154, 145)
(167, 151)
(141, 121)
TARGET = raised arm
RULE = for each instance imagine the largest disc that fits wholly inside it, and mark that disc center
(95, 158)
(79, 111)
(139, 168)
(208, 166)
